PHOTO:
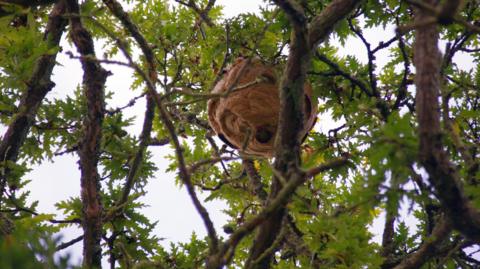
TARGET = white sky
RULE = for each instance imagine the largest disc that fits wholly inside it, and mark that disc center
(169, 204)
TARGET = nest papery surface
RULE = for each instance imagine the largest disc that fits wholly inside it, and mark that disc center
(247, 118)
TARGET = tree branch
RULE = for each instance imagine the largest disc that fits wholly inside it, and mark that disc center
(118, 11)
(371, 58)
(287, 143)
(203, 13)
(22, 3)
(69, 243)
(294, 11)
(446, 15)
(323, 23)
(442, 174)
(328, 165)
(144, 143)
(94, 78)
(37, 86)
(336, 68)
(255, 181)
(429, 247)
(388, 244)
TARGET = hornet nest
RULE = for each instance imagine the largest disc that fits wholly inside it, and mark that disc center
(247, 117)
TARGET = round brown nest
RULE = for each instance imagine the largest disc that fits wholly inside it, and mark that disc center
(247, 117)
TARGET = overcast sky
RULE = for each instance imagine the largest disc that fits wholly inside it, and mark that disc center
(169, 204)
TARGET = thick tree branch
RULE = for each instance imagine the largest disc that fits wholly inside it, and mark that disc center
(429, 247)
(5, 4)
(442, 174)
(6, 225)
(37, 86)
(323, 23)
(445, 15)
(287, 143)
(255, 181)
(94, 78)
(388, 244)
(294, 11)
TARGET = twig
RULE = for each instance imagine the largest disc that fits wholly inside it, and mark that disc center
(68, 150)
(383, 45)
(159, 142)
(335, 163)
(69, 243)
(129, 104)
(402, 89)
(90, 57)
(203, 13)
(344, 74)
(68, 221)
(216, 150)
(208, 96)
(192, 168)
(371, 59)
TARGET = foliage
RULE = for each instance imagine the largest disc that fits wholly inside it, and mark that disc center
(366, 136)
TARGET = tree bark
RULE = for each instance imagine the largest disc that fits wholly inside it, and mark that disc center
(94, 78)
(304, 40)
(442, 173)
(22, 3)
